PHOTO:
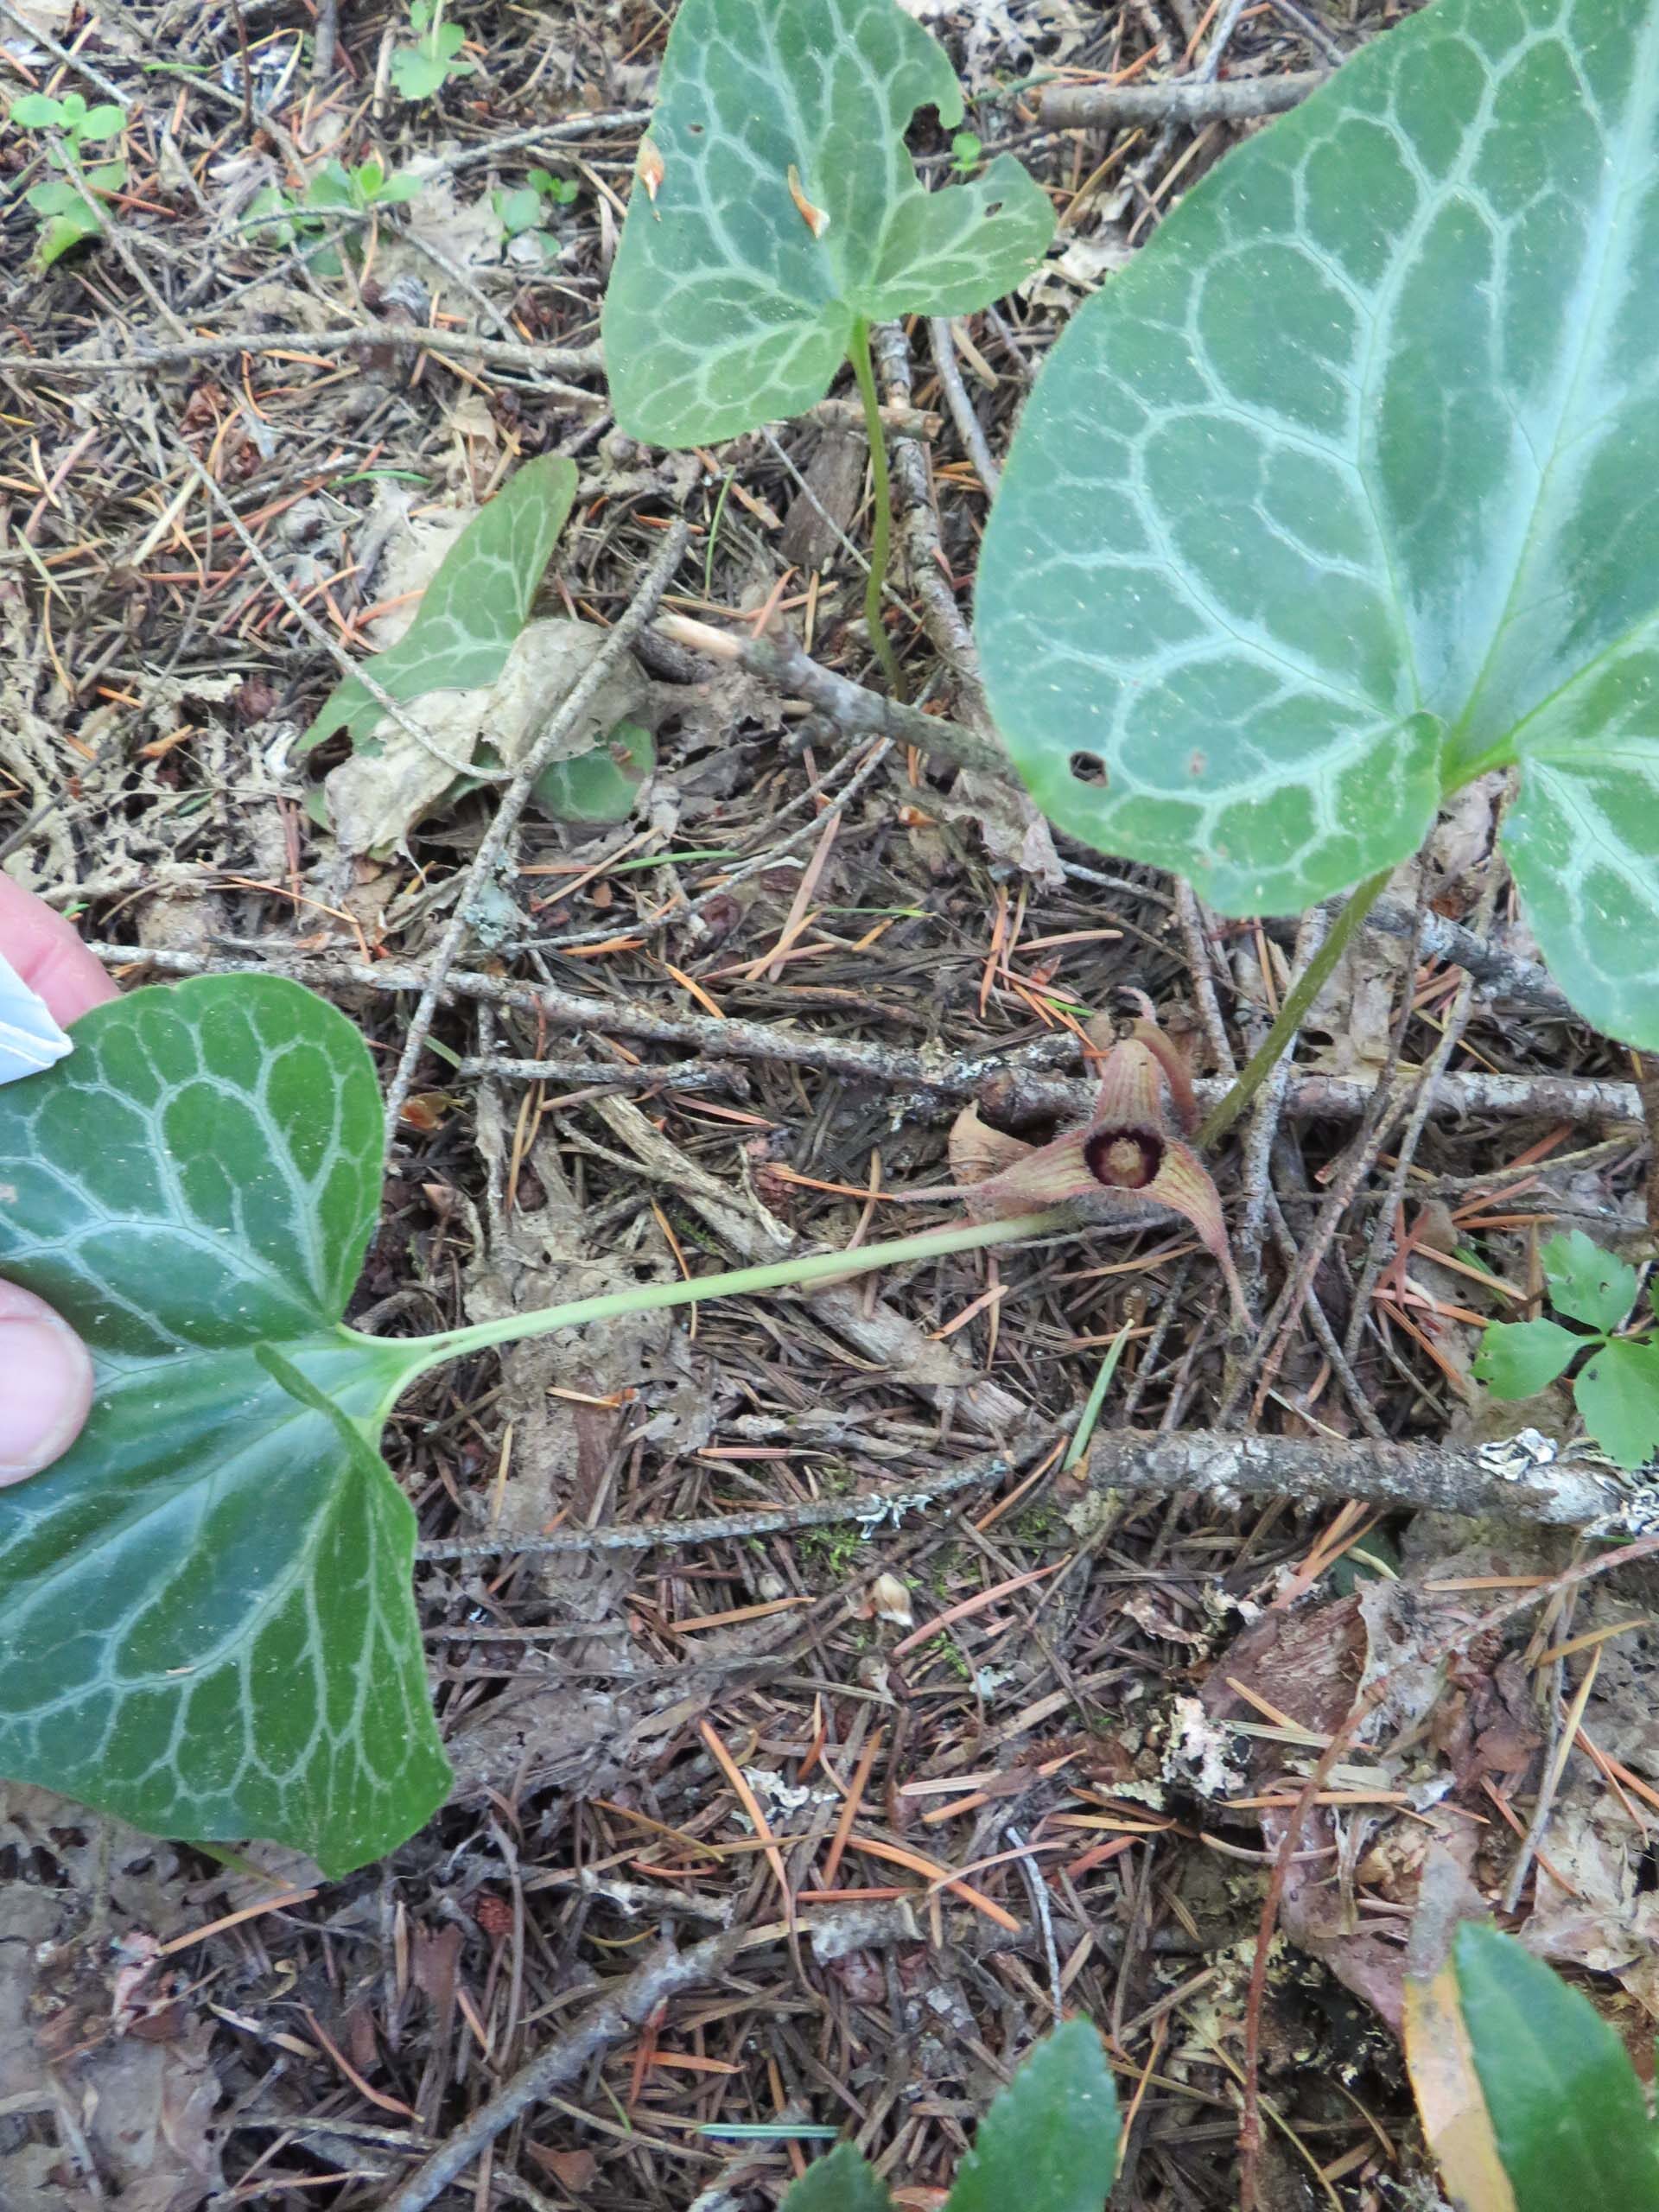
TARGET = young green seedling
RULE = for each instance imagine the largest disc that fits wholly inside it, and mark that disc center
(1315, 514)
(524, 210)
(68, 214)
(778, 214)
(435, 58)
(1617, 1390)
(280, 218)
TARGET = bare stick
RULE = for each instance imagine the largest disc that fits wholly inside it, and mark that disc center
(1011, 1087)
(1426, 1478)
(607, 2022)
(403, 337)
(1184, 99)
(970, 429)
(514, 799)
(1497, 974)
(1220, 1467)
(874, 1507)
(778, 660)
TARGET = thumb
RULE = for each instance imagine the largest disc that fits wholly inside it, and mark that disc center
(46, 1384)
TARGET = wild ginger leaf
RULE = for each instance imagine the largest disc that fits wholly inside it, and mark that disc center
(1517, 1359)
(1618, 1393)
(474, 606)
(1585, 1283)
(206, 1626)
(784, 206)
(845, 2181)
(1313, 514)
(602, 784)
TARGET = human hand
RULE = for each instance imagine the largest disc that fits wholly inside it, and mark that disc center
(46, 1376)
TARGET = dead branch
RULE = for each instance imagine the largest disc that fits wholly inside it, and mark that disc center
(606, 2024)
(777, 659)
(1183, 99)
(1221, 1468)
(1006, 1087)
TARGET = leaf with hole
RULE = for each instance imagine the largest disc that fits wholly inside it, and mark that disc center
(1517, 1359)
(786, 209)
(1049, 2142)
(473, 607)
(1316, 512)
(1585, 1283)
(206, 1626)
(1618, 1394)
(1566, 2110)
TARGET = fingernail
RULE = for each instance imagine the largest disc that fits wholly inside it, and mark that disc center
(46, 1388)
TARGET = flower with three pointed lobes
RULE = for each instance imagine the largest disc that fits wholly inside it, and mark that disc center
(1127, 1161)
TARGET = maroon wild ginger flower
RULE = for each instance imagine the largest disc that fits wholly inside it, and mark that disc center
(1127, 1161)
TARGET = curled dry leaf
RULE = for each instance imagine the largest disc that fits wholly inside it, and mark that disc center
(816, 219)
(650, 169)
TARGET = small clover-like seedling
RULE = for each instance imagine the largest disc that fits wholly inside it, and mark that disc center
(967, 151)
(778, 214)
(435, 58)
(1047, 2143)
(523, 211)
(68, 214)
(280, 218)
(1313, 517)
(1617, 1390)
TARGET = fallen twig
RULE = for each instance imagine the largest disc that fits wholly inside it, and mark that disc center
(1183, 99)
(1497, 974)
(970, 429)
(1006, 1087)
(875, 1508)
(1222, 1467)
(1218, 1466)
(605, 2024)
(401, 337)
(918, 530)
(778, 660)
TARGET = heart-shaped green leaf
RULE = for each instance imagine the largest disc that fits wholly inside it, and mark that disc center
(602, 784)
(1342, 491)
(1049, 2142)
(777, 206)
(1567, 2112)
(1618, 1394)
(1519, 1358)
(474, 606)
(206, 1626)
(1587, 1284)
